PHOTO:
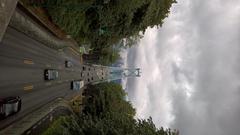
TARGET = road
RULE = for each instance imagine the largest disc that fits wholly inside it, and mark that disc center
(22, 64)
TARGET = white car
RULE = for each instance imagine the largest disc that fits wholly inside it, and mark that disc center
(50, 74)
(68, 64)
(82, 74)
(77, 85)
(9, 106)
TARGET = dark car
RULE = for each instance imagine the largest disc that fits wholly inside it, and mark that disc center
(9, 106)
(68, 64)
(50, 74)
(82, 74)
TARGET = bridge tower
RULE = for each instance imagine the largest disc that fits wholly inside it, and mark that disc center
(107, 74)
(116, 73)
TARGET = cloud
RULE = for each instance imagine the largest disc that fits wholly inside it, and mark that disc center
(191, 69)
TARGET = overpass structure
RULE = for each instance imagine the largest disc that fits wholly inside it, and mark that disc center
(108, 73)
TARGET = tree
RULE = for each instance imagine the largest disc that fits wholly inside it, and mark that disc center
(103, 23)
(107, 113)
(115, 115)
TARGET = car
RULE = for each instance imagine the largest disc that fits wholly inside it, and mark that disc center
(82, 74)
(77, 85)
(9, 106)
(50, 74)
(68, 64)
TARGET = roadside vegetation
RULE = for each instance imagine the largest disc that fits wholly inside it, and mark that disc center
(105, 25)
(106, 112)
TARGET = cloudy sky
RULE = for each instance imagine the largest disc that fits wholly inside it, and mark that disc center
(190, 69)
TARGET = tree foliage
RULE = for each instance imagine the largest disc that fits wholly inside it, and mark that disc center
(108, 113)
(103, 23)
(109, 20)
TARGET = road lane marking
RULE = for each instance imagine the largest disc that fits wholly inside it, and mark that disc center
(48, 83)
(35, 126)
(48, 65)
(28, 61)
(44, 119)
(51, 118)
(60, 50)
(74, 52)
(28, 132)
(59, 82)
(28, 87)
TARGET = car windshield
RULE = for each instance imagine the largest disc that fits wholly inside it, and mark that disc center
(76, 85)
(9, 108)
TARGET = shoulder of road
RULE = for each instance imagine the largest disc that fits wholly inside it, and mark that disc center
(33, 122)
(27, 20)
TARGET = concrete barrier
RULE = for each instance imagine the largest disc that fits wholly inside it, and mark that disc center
(7, 8)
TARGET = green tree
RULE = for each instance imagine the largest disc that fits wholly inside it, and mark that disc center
(103, 23)
(116, 114)
(107, 113)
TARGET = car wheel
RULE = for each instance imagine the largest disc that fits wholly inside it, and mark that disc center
(71, 85)
(3, 116)
(19, 105)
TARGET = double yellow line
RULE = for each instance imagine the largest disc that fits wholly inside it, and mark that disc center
(28, 87)
(28, 61)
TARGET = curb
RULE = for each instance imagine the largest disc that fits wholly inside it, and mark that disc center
(27, 122)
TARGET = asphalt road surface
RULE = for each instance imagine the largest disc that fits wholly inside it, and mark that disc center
(22, 64)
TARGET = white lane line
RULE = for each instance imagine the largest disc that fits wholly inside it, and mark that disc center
(59, 82)
(2, 4)
(48, 83)
(48, 65)
(28, 132)
(44, 119)
(34, 127)
(51, 118)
